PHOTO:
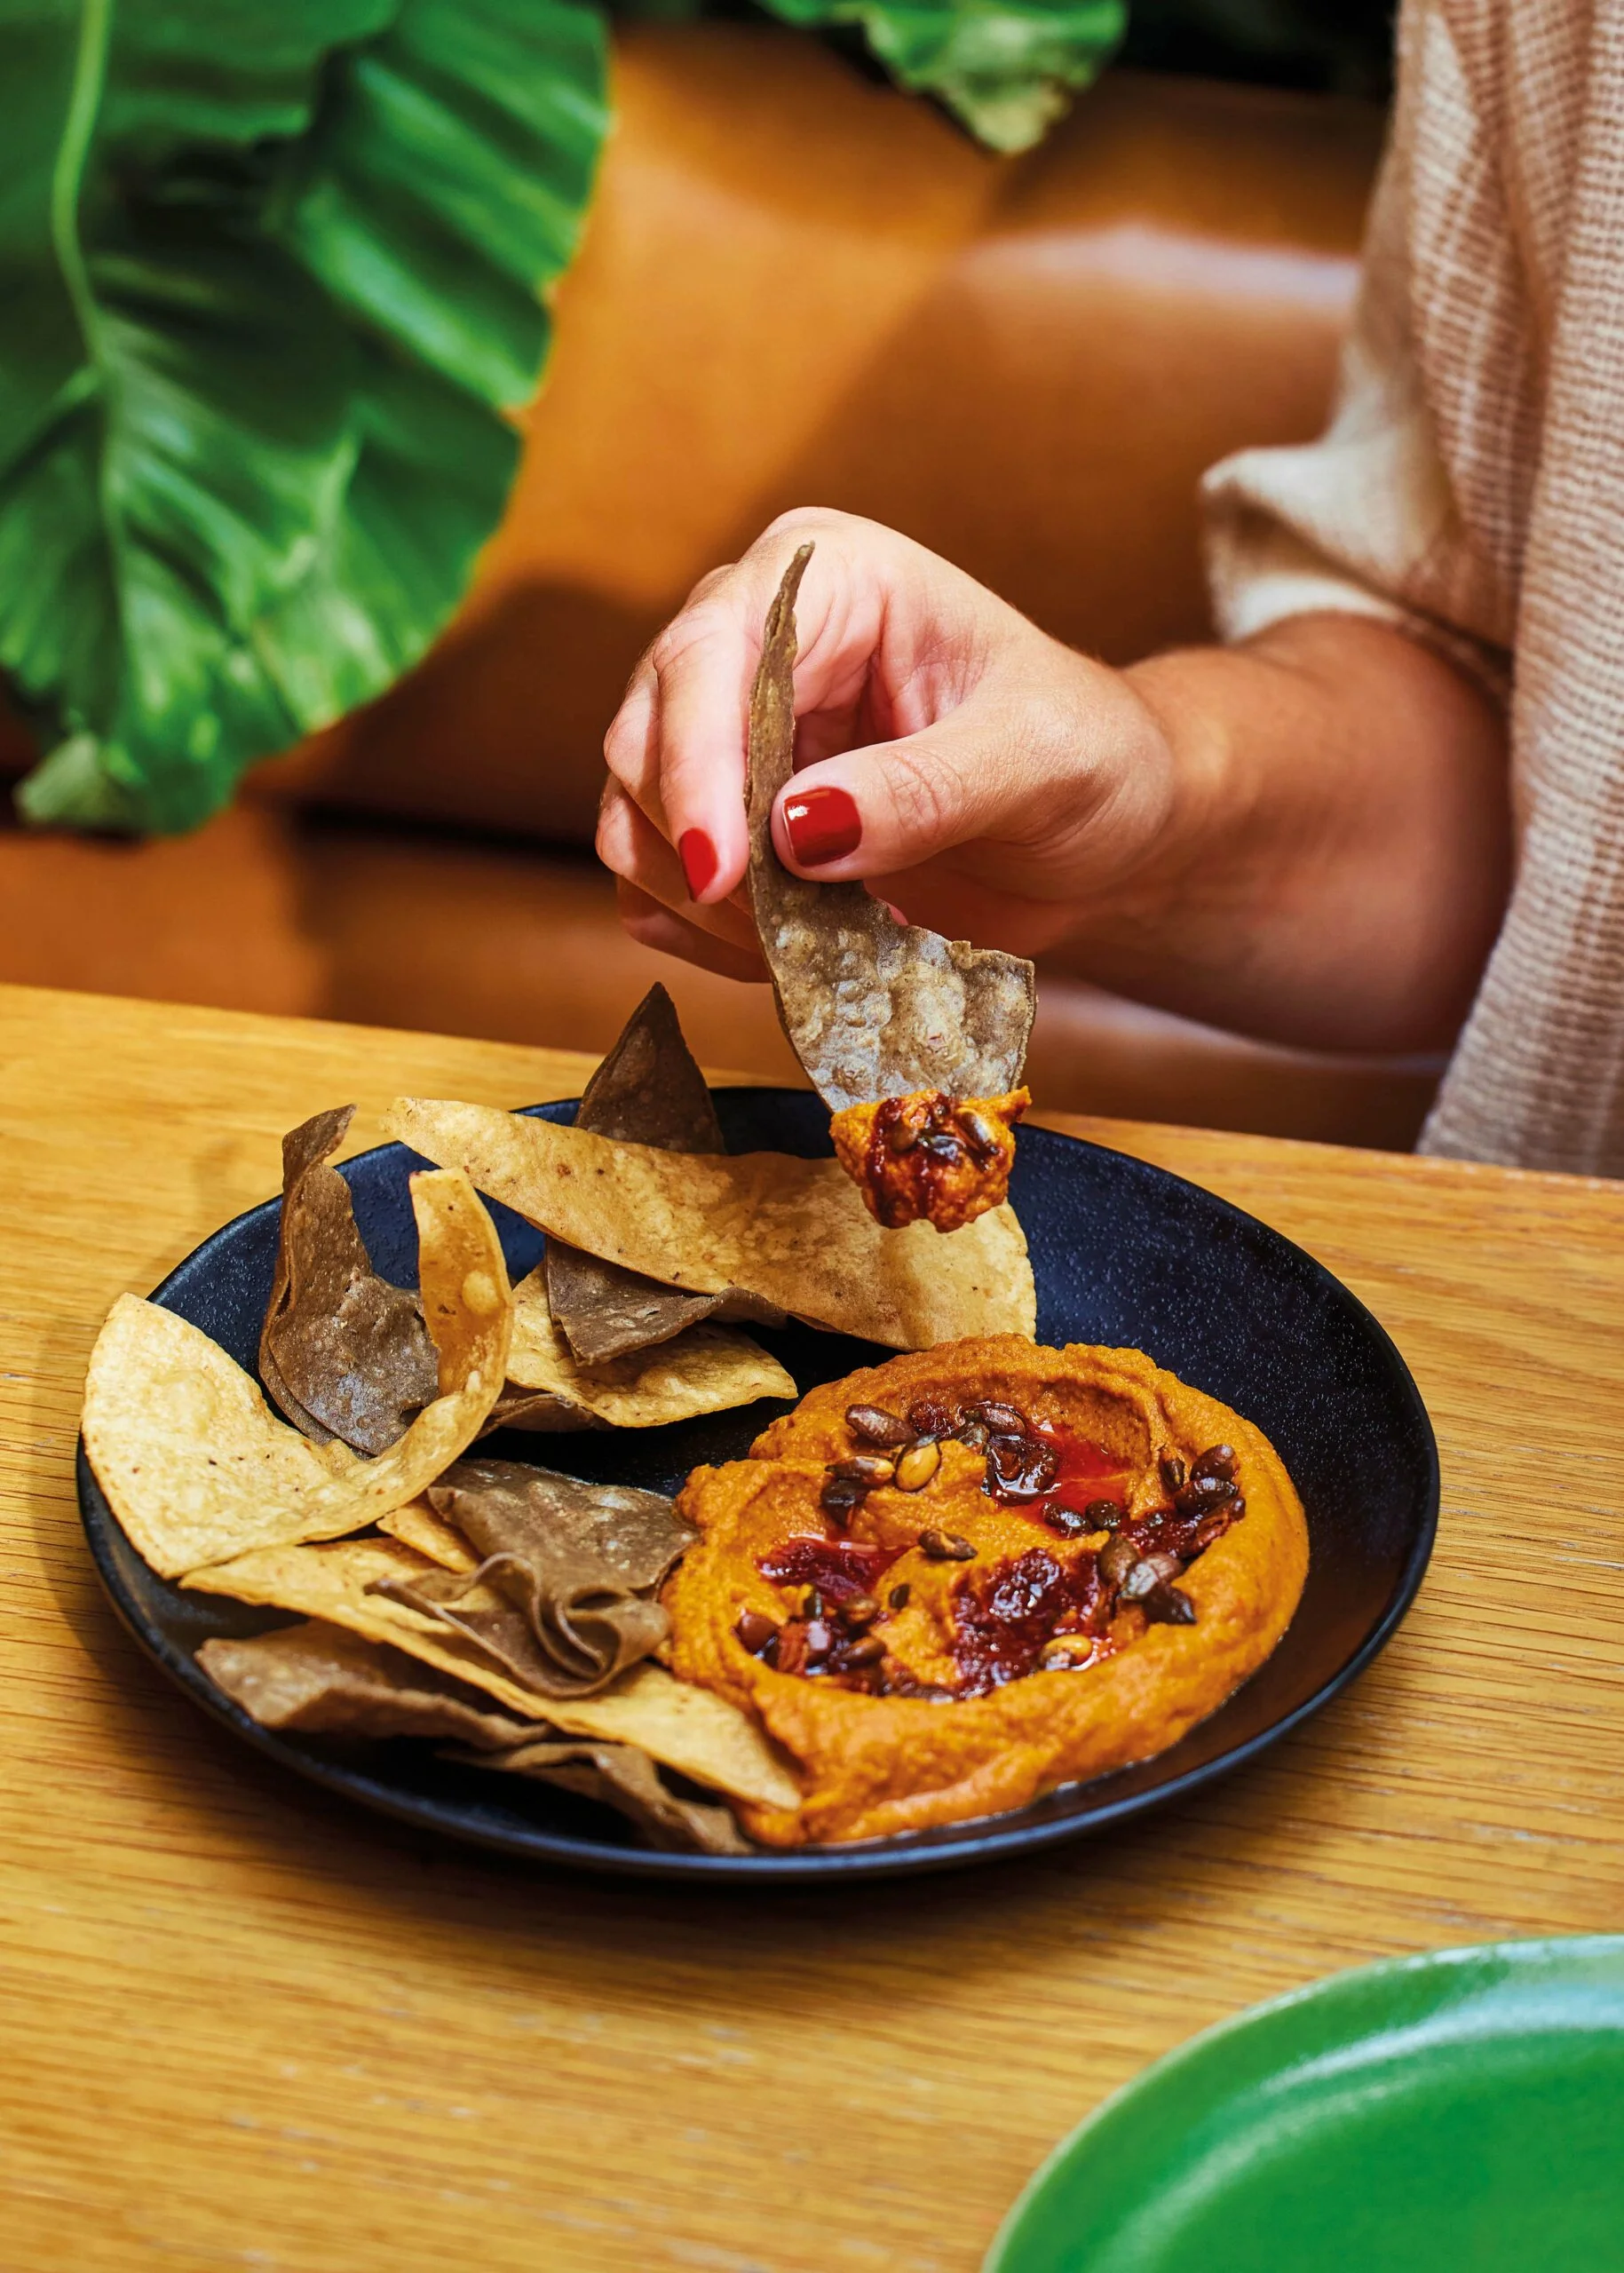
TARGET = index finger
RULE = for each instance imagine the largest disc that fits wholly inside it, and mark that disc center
(678, 742)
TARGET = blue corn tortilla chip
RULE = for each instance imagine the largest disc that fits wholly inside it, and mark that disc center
(648, 1090)
(342, 1352)
(873, 1008)
(317, 1680)
(562, 1598)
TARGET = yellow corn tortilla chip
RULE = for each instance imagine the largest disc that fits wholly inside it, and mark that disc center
(648, 1090)
(699, 1734)
(197, 1468)
(416, 1526)
(793, 1231)
(333, 1578)
(701, 1369)
(193, 1461)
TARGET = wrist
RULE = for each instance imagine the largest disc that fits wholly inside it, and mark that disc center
(1206, 799)
(1177, 865)
(1155, 811)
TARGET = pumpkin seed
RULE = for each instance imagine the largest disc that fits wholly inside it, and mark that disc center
(754, 1631)
(866, 1469)
(917, 1465)
(876, 1426)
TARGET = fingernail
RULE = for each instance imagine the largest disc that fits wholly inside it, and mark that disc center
(697, 855)
(822, 825)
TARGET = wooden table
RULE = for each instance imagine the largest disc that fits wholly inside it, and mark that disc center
(246, 2027)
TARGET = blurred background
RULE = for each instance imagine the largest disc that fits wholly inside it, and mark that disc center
(798, 282)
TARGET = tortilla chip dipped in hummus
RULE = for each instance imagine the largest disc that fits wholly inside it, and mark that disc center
(881, 1013)
(929, 1157)
(948, 1585)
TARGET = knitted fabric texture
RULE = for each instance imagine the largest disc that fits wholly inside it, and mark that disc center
(1470, 488)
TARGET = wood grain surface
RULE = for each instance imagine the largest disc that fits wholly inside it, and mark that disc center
(243, 2026)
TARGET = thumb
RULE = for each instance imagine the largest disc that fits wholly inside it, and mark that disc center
(893, 805)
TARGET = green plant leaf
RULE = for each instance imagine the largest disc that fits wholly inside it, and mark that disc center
(270, 279)
(1007, 67)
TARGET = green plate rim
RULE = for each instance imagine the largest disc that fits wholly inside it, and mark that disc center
(1556, 1951)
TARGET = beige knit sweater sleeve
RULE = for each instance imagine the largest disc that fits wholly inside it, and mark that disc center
(1368, 518)
(1471, 487)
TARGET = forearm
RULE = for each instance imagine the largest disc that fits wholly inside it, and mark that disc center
(1306, 838)
(1337, 862)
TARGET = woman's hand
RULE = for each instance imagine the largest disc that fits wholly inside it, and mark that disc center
(967, 766)
(1306, 838)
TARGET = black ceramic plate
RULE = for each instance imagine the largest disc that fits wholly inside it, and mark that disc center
(1124, 1254)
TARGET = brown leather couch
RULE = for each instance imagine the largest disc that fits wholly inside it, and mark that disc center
(798, 287)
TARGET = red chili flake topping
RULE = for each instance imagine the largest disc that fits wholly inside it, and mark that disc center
(910, 1155)
(1005, 1616)
(1164, 1532)
(819, 1642)
(839, 1568)
(1055, 1475)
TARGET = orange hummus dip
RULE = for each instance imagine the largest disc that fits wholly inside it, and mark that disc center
(949, 1584)
(930, 1158)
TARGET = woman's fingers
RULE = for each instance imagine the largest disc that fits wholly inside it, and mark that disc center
(1023, 770)
(654, 925)
(635, 850)
(632, 746)
(677, 743)
(894, 805)
(985, 748)
(703, 664)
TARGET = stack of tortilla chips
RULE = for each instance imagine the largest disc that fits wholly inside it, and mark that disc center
(437, 1588)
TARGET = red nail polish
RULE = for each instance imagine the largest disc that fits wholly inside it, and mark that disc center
(822, 825)
(697, 855)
